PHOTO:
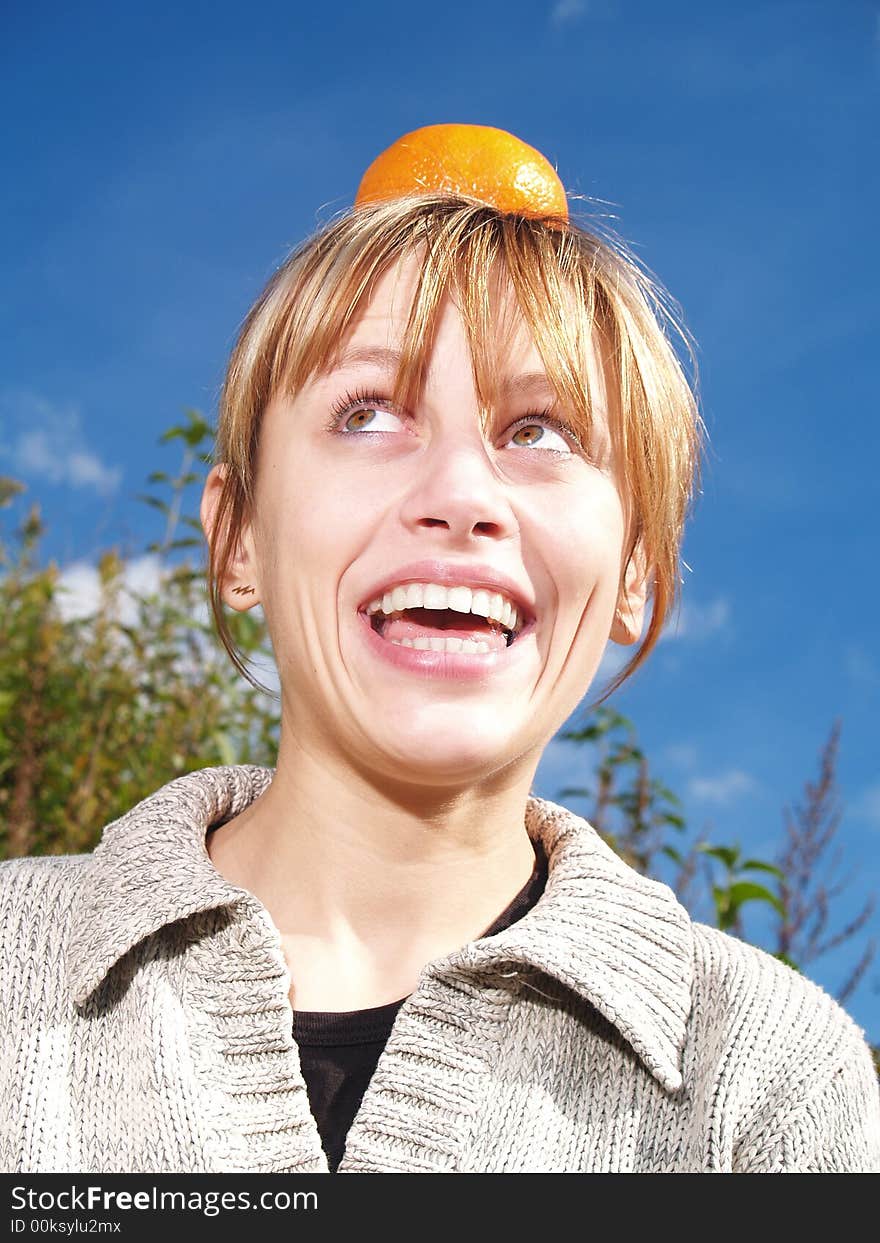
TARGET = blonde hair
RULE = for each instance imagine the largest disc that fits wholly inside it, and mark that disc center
(568, 284)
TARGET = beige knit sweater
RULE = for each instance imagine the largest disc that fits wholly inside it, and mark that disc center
(145, 1025)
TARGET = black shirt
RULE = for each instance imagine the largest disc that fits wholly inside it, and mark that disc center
(339, 1050)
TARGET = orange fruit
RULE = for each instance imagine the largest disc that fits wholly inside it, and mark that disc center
(478, 161)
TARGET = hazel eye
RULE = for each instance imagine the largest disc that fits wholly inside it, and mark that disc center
(364, 417)
(544, 424)
(539, 434)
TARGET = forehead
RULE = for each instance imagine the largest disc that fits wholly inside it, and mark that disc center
(391, 329)
(387, 305)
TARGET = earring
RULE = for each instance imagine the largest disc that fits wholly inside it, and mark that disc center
(243, 591)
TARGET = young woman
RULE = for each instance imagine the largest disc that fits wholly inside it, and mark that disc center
(454, 458)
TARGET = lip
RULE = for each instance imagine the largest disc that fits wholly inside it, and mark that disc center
(457, 573)
(478, 666)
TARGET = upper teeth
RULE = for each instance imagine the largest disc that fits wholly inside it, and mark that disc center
(486, 604)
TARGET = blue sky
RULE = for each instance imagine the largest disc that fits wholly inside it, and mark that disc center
(161, 160)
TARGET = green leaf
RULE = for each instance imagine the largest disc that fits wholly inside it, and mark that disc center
(9, 488)
(154, 501)
(727, 854)
(199, 429)
(758, 865)
(664, 792)
(721, 899)
(672, 854)
(225, 748)
(612, 719)
(589, 734)
(747, 891)
(184, 543)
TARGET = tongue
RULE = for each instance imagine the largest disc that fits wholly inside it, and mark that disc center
(442, 624)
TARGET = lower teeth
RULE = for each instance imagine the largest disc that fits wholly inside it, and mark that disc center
(466, 647)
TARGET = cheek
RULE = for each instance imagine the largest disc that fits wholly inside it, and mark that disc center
(312, 530)
(304, 515)
(585, 543)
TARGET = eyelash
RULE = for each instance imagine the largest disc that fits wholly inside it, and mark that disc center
(349, 403)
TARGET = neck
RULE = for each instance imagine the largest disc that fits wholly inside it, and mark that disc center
(368, 883)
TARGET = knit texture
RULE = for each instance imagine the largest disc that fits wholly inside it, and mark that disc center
(145, 1025)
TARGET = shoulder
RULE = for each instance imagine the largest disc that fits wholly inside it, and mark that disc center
(37, 895)
(37, 912)
(39, 886)
(795, 1061)
(746, 992)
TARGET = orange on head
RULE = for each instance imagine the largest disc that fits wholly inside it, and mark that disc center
(478, 161)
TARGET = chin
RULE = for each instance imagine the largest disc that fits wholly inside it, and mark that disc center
(430, 758)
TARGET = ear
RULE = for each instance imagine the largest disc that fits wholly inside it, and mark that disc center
(241, 586)
(632, 599)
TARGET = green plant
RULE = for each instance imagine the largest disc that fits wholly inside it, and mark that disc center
(634, 813)
(98, 711)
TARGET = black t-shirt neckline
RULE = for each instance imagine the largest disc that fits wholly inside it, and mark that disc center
(339, 1051)
(349, 1027)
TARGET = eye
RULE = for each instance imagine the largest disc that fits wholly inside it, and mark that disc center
(562, 430)
(358, 411)
(365, 417)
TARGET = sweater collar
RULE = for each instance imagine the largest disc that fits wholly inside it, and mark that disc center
(618, 940)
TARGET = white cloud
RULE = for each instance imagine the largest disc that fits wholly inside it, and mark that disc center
(681, 754)
(567, 11)
(867, 805)
(698, 621)
(79, 588)
(49, 442)
(79, 594)
(860, 665)
(723, 789)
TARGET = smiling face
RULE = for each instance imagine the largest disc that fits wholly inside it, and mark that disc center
(351, 487)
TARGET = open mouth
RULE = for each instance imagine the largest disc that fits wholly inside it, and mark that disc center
(417, 627)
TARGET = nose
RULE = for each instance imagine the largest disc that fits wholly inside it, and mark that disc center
(458, 488)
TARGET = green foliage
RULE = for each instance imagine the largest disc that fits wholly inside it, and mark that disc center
(634, 813)
(632, 810)
(98, 712)
(730, 896)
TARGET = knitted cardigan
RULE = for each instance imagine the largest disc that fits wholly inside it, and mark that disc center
(145, 1025)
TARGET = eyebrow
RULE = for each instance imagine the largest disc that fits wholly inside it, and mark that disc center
(375, 355)
(389, 360)
(525, 383)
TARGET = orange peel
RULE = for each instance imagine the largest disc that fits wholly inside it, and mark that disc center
(477, 161)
